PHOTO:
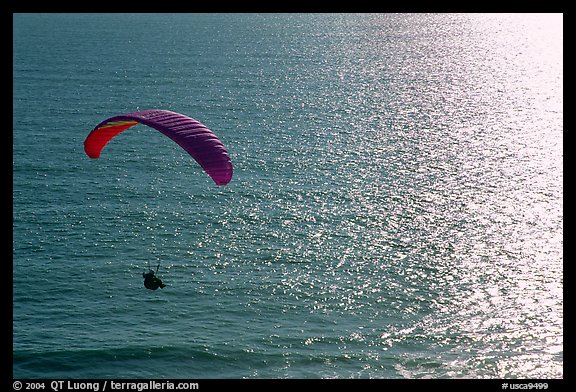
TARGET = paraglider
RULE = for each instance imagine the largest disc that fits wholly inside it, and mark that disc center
(151, 281)
(193, 136)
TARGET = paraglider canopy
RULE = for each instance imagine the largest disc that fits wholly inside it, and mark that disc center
(193, 136)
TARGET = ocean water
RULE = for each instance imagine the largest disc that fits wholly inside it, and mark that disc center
(396, 209)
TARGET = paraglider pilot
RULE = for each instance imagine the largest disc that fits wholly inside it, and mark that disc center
(151, 281)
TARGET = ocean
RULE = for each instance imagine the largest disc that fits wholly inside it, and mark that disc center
(396, 209)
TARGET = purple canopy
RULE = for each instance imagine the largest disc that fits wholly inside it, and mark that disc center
(193, 136)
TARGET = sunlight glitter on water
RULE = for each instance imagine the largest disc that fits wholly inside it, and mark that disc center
(396, 207)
